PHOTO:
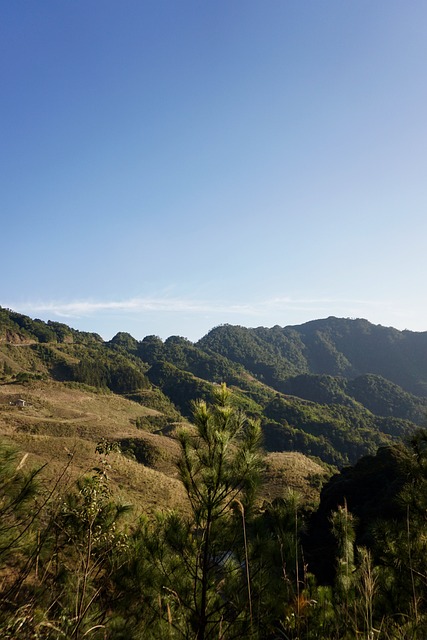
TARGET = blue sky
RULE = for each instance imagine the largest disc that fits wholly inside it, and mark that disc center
(171, 165)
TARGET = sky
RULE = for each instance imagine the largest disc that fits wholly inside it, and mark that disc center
(167, 166)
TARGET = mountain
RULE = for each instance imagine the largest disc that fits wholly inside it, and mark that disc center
(334, 389)
(333, 346)
(341, 502)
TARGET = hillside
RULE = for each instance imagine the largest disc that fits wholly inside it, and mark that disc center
(327, 389)
(114, 424)
(333, 346)
(60, 424)
(59, 398)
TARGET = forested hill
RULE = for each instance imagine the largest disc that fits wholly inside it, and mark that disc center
(333, 346)
(336, 388)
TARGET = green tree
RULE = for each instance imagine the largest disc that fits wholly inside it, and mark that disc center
(18, 512)
(83, 544)
(343, 529)
(400, 544)
(219, 466)
(199, 576)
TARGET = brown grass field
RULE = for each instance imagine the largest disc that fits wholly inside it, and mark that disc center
(61, 424)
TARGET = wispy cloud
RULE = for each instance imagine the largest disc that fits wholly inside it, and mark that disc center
(84, 308)
(319, 303)
(280, 304)
(166, 314)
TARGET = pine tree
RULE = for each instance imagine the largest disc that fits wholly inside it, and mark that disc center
(219, 467)
(343, 529)
(18, 513)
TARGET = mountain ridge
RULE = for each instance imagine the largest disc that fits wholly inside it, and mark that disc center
(331, 346)
(312, 386)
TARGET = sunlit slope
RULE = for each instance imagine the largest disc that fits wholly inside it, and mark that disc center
(295, 380)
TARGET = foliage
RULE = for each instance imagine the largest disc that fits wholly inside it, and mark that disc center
(102, 370)
(228, 568)
(334, 346)
(125, 341)
(336, 433)
(17, 491)
(69, 560)
(219, 468)
(191, 572)
(180, 386)
(140, 450)
(273, 372)
(24, 329)
(385, 398)
(375, 393)
(153, 398)
(86, 540)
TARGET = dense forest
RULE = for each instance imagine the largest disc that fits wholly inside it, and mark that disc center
(78, 562)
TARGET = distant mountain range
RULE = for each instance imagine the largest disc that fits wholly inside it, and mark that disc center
(334, 388)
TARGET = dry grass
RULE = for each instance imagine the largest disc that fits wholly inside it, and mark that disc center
(61, 424)
(293, 470)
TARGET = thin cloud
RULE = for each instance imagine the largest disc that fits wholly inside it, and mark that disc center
(85, 308)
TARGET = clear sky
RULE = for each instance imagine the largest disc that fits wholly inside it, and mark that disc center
(171, 165)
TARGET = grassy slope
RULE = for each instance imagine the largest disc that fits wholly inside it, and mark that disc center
(292, 470)
(62, 419)
(59, 420)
